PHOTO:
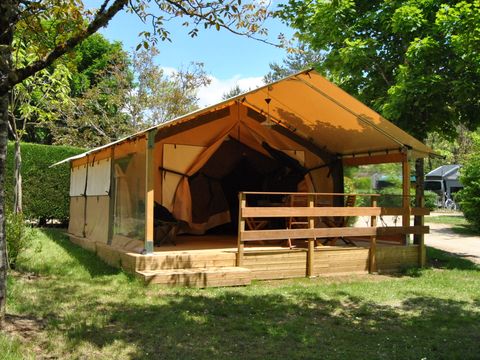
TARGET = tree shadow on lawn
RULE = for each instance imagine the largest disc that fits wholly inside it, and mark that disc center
(87, 259)
(444, 260)
(293, 325)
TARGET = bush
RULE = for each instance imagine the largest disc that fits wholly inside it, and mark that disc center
(469, 196)
(431, 200)
(45, 189)
(19, 236)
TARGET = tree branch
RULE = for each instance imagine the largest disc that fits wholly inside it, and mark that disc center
(101, 19)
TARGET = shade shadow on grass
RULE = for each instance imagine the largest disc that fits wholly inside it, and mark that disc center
(309, 326)
(86, 259)
(445, 260)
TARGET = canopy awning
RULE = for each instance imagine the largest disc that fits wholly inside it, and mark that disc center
(313, 108)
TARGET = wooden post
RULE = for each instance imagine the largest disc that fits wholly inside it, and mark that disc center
(372, 266)
(406, 196)
(420, 238)
(111, 195)
(84, 232)
(242, 202)
(149, 192)
(311, 242)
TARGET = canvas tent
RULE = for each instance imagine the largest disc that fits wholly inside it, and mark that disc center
(295, 134)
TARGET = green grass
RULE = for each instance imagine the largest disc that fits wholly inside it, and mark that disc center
(447, 219)
(459, 224)
(78, 307)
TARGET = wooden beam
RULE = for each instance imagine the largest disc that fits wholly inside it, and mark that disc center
(149, 191)
(84, 232)
(420, 238)
(400, 211)
(395, 230)
(242, 203)
(253, 235)
(311, 241)
(406, 196)
(111, 195)
(372, 255)
(374, 159)
(267, 212)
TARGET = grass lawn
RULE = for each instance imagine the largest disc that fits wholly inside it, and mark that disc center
(458, 222)
(65, 303)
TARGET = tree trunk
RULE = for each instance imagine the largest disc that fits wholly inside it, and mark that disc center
(3, 243)
(18, 193)
(419, 192)
(8, 10)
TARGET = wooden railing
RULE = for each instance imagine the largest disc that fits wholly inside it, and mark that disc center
(313, 210)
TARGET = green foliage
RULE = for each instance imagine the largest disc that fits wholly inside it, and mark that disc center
(18, 236)
(45, 189)
(431, 200)
(363, 183)
(416, 62)
(92, 58)
(469, 196)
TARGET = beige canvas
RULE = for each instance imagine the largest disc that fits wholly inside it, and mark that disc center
(96, 228)
(77, 211)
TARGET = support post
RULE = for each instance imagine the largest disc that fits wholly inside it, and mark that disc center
(149, 192)
(311, 242)
(406, 196)
(84, 232)
(111, 195)
(420, 238)
(372, 266)
(242, 202)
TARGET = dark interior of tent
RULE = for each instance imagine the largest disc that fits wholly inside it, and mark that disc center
(233, 168)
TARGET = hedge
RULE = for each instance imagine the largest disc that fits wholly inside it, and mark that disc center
(45, 189)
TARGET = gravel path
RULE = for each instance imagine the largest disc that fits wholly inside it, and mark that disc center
(442, 237)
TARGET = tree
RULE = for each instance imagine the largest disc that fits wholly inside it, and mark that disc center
(416, 62)
(234, 91)
(301, 58)
(71, 28)
(35, 100)
(156, 96)
(469, 196)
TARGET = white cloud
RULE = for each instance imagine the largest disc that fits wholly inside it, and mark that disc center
(212, 93)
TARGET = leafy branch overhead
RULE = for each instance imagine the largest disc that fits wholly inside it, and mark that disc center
(73, 23)
(416, 62)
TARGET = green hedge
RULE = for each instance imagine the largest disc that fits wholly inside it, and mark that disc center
(45, 189)
(469, 196)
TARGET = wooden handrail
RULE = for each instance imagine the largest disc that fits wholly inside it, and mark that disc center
(270, 212)
(304, 193)
(312, 211)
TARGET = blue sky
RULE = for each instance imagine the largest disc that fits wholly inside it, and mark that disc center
(229, 59)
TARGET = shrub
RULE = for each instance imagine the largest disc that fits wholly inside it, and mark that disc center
(19, 236)
(45, 189)
(469, 196)
(431, 200)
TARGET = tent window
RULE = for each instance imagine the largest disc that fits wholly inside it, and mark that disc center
(77, 180)
(129, 196)
(98, 183)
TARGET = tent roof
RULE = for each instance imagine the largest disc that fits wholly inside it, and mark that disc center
(444, 171)
(317, 110)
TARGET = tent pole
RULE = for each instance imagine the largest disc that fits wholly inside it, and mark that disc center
(111, 195)
(406, 195)
(149, 191)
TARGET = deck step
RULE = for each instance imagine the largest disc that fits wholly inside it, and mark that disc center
(206, 277)
(173, 261)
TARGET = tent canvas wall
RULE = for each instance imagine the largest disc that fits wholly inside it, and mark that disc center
(304, 117)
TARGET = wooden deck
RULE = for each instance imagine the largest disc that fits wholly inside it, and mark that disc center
(209, 261)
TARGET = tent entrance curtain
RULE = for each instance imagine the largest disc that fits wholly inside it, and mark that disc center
(233, 167)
